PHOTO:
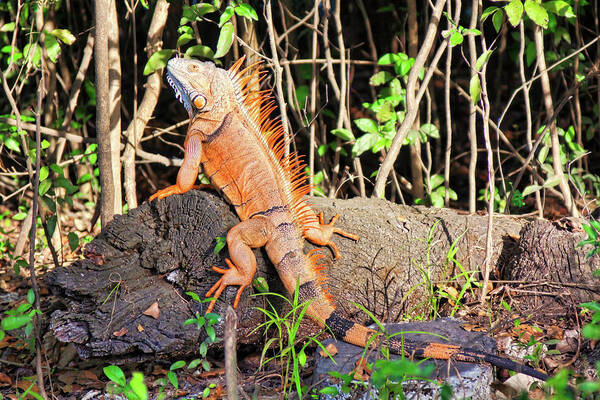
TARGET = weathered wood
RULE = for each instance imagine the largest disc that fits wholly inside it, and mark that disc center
(160, 250)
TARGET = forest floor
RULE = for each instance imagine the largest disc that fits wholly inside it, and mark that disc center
(73, 378)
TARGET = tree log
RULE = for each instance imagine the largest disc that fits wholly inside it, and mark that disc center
(160, 250)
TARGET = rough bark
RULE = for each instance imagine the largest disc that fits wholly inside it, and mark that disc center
(160, 250)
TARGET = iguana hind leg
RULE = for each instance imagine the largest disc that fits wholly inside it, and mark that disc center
(321, 235)
(242, 266)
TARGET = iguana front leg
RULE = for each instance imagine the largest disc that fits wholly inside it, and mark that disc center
(321, 234)
(188, 172)
(241, 239)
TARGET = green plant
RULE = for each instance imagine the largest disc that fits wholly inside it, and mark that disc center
(196, 13)
(208, 322)
(20, 317)
(286, 326)
(440, 290)
(436, 192)
(134, 389)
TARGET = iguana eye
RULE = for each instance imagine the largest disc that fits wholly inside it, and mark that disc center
(199, 101)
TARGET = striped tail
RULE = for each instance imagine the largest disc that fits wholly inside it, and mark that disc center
(360, 335)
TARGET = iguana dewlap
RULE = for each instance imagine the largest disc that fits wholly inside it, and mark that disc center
(241, 151)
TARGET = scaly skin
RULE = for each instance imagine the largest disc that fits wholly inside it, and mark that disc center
(241, 152)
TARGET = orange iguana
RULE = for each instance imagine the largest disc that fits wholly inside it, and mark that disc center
(242, 153)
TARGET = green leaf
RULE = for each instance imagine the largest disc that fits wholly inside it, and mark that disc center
(158, 60)
(115, 374)
(403, 67)
(73, 240)
(560, 8)
(52, 47)
(8, 27)
(30, 296)
(435, 181)
(177, 365)
(184, 38)
(44, 187)
(388, 59)
(52, 220)
(260, 284)
(514, 12)
(221, 242)
(33, 54)
(553, 181)
(483, 59)
(64, 35)
(330, 390)
(202, 349)
(64, 183)
(194, 296)
(302, 358)
(321, 150)
(531, 189)
(343, 134)
(57, 169)
(138, 387)
(366, 125)
(44, 172)
(437, 200)
(12, 144)
(364, 143)
(19, 216)
(204, 8)
(15, 322)
(430, 130)
(199, 51)
(301, 96)
(487, 12)
(225, 40)
(497, 19)
(475, 89)
(537, 13)
(246, 11)
(456, 39)
(195, 362)
(380, 78)
(226, 16)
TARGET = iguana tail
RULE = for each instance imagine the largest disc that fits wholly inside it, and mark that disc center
(360, 335)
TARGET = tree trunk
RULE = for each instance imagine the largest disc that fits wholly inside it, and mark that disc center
(162, 249)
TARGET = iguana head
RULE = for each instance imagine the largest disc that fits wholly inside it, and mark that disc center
(200, 86)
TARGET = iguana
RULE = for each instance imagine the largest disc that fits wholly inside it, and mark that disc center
(242, 152)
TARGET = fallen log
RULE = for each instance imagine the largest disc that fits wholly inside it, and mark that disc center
(126, 298)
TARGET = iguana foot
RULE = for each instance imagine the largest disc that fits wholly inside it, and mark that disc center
(322, 235)
(168, 191)
(231, 276)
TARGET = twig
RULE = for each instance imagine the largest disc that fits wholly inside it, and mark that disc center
(313, 99)
(230, 341)
(278, 78)
(412, 106)
(46, 131)
(326, 61)
(32, 234)
(143, 113)
(472, 115)
(547, 96)
(529, 132)
(101, 62)
(491, 175)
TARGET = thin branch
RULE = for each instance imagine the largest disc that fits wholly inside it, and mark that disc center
(278, 76)
(412, 105)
